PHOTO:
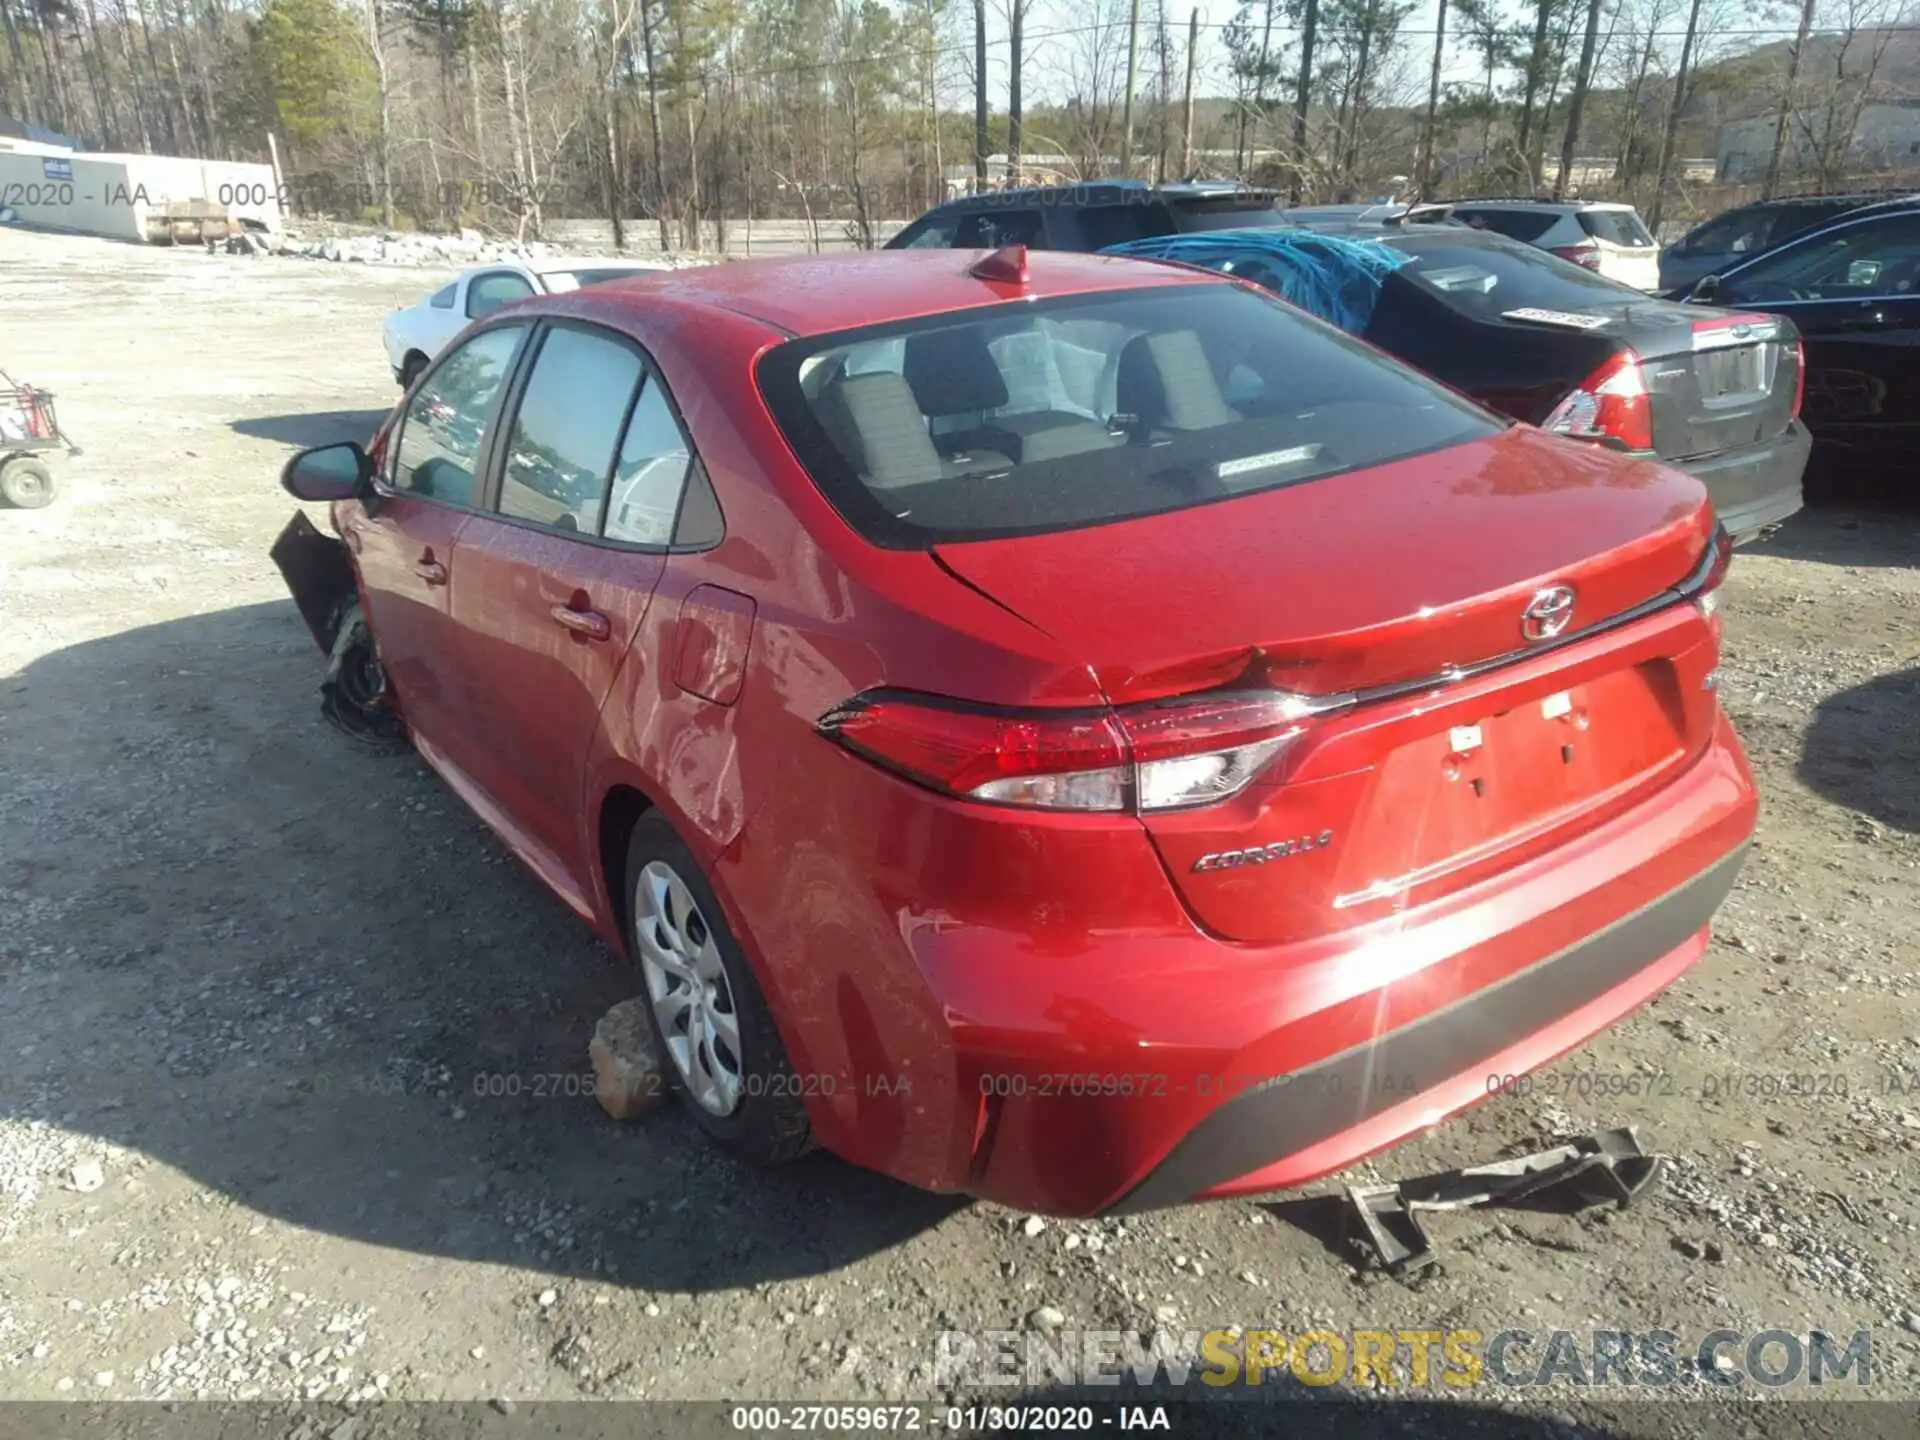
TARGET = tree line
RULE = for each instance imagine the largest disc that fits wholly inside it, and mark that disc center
(688, 117)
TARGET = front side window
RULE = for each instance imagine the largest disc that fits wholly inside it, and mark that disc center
(1057, 414)
(441, 432)
(487, 293)
(443, 298)
(559, 453)
(1858, 262)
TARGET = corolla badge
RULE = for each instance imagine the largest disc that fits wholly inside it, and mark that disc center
(1262, 854)
(1548, 613)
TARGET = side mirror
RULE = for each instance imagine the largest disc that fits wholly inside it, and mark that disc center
(328, 472)
(1705, 289)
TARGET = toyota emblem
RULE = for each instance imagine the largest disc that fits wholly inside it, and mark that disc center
(1548, 613)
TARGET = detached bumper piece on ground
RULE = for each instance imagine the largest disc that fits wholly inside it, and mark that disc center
(1605, 1167)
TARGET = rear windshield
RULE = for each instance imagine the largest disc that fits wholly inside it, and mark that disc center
(1490, 279)
(1526, 225)
(1616, 227)
(1023, 418)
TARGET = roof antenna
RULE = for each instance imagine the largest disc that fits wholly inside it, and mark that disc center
(1005, 266)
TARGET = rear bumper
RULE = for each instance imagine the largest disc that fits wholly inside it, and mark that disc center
(1543, 1011)
(1759, 486)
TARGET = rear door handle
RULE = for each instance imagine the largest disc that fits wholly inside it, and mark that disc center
(431, 571)
(590, 623)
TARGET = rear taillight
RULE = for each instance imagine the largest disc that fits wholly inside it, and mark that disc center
(1799, 377)
(1165, 756)
(1583, 255)
(1610, 404)
(1705, 580)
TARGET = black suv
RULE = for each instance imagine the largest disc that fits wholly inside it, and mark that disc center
(1735, 237)
(1086, 217)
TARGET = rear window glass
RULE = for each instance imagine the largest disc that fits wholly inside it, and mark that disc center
(1528, 225)
(1022, 418)
(1616, 227)
(1488, 279)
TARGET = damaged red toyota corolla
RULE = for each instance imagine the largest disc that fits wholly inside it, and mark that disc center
(1086, 735)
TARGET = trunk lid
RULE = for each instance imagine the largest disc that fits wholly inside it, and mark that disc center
(1716, 379)
(1356, 580)
(1377, 579)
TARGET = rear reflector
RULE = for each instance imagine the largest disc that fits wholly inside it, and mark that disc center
(1165, 756)
(1610, 404)
(1799, 377)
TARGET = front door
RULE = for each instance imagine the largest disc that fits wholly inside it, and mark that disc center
(1854, 291)
(556, 574)
(403, 539)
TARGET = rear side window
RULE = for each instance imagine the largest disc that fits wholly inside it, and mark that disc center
(1051, 415)
(559, 281)
(651, 474)
(936, 232)
(1104, 225)
(1616, 227)
(560, 449)
(1527, 225)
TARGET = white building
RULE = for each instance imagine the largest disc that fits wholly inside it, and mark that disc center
(1887, 138)
(127, 197)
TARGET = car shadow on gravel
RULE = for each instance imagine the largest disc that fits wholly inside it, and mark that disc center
(1863, 750)
(305, 976)
(1850, 535)
(321, 427)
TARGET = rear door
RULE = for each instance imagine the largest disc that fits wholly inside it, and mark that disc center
(1853, 290)
(403, 540)
(558, 570)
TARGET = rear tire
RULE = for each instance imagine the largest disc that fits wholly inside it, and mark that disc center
(25, 483)
(718, 1046)
(410, 369)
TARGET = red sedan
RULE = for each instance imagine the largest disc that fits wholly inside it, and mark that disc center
(1065, 729)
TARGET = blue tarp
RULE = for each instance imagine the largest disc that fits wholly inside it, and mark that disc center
(1329, 276)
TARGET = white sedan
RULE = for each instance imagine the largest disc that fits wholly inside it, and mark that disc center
(415, 333)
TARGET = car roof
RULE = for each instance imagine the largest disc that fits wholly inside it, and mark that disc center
(1102, 192)
(816, 294)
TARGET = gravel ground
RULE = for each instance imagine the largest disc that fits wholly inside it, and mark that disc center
(293, 1055)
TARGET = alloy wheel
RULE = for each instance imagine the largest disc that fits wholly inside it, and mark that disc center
(689, 990)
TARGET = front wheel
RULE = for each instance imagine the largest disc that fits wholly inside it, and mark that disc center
(25, 483)
(410, 369)
(718, 1045)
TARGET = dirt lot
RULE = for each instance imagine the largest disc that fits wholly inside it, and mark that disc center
(278, 1019)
